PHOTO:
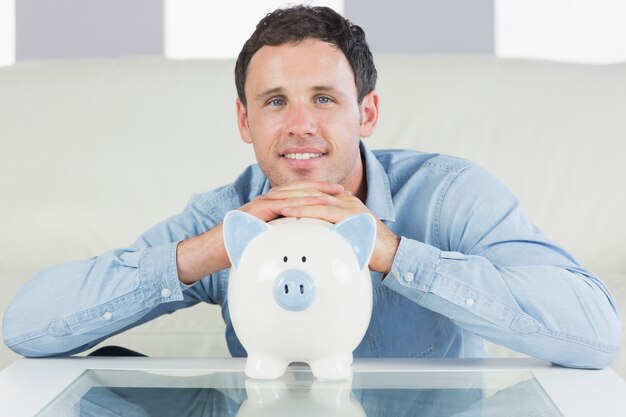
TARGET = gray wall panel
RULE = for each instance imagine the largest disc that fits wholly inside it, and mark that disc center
(426, 26)
(88, 28)
(105, 28)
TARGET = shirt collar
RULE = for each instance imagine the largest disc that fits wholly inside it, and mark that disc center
(378, 192)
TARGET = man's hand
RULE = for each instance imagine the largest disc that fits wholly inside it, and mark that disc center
(272, 205)
(202, 255)
(328, 202)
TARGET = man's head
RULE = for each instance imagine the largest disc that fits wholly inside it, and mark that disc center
(298, 23)
(301, 105)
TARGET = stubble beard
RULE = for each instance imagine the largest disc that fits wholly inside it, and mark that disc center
(337, 173)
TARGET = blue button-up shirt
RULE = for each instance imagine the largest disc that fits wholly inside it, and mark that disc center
(470, 266)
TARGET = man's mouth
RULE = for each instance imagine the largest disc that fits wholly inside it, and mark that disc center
(306, 155)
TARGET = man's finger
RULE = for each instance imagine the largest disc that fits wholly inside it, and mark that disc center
(323, 212)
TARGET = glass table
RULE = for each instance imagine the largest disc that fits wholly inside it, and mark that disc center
(197, 387)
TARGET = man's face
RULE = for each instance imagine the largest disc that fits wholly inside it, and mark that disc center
(302, 114)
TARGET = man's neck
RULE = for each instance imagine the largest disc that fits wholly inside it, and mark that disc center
(357, 185)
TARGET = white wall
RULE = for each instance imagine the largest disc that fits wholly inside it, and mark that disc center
(591, 31)
(201, 29)
(567, 30)
(7, 32)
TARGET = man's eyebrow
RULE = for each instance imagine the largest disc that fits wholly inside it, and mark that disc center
(326, 89)
(270, 91)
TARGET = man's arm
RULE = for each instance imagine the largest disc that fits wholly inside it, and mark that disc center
(555, 313)
(70, 307)
(500, 277)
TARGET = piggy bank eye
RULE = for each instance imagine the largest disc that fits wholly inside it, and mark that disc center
(303, 259)
(284, 259)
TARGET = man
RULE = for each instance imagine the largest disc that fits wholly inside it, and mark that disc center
(456, 259)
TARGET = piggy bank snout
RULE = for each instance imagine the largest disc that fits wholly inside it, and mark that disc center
(294, 290)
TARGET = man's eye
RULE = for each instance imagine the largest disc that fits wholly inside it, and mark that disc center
(323, 100)
(276, 102)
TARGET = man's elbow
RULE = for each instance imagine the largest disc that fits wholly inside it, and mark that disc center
(613, 344)
(22, 343)
(589, 359)
(40, 347)
(598, 355)
(29, 340)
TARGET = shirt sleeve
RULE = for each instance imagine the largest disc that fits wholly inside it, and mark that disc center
(494, 273)
(71, 307)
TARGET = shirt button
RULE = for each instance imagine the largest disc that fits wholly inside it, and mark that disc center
(107, 315)
(469, 301)
(408, 277)
(165, 292)
(395, 274)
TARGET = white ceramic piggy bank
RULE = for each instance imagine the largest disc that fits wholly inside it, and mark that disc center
(299, 291)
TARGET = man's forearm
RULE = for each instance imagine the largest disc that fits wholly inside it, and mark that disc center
(69, 307)
(201, 255)
(561, 315)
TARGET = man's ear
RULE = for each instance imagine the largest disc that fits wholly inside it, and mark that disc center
(242, 121)
(369, 113)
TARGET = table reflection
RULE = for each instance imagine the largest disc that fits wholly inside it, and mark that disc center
(136, 393)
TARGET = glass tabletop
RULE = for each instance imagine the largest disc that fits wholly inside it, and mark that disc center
(372, 394)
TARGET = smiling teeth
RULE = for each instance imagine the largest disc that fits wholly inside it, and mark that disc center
(302, 155)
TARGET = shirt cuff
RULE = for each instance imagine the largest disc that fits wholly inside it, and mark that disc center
(158, 275)
(413, 269)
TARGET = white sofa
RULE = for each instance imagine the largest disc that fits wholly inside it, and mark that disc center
(92, 153)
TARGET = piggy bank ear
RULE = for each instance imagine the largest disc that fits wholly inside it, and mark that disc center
(360, 232)
(239, 229)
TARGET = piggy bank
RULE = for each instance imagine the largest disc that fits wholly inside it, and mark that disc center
(322, 399)
(299, 291)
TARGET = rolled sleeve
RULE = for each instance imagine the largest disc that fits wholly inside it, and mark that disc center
(158, 275)
(413, 269)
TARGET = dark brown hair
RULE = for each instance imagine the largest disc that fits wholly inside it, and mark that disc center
(295, 24)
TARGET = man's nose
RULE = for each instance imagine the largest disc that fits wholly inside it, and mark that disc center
(302, 121)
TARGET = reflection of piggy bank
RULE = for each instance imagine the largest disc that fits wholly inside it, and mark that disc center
(322, 399)
(299, 290)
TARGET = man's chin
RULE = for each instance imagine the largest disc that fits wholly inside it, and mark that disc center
(296, 180)
(296, 177)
